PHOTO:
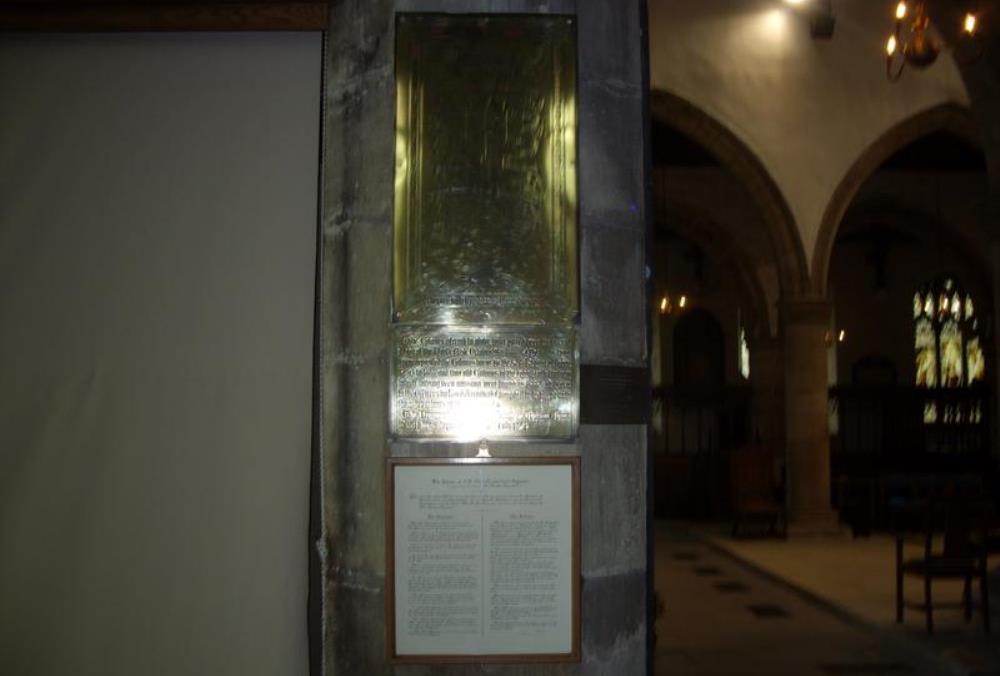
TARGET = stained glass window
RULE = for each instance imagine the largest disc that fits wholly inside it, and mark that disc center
(947, 348)
(976, 360)
(950, 346)
(926, 347)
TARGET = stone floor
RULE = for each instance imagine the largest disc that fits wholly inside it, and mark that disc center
(798, 607)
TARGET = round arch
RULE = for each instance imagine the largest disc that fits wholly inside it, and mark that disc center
(681, 217)
(733, 153)
(917, 223)
(949, 117)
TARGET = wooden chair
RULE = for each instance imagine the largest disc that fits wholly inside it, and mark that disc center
(754, 492)
(960, 526)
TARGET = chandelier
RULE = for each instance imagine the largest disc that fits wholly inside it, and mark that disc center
(913, 44)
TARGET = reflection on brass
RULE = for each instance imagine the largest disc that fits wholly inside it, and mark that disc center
(477, 383)
(485, 244)
(485, 192)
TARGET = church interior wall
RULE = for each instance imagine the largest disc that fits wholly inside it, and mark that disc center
(939, 218)
(141, 436)
(879, 321)
(808, 109)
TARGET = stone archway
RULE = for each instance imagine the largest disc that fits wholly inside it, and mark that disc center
(736, 156)
(949, 117)
(687, 220)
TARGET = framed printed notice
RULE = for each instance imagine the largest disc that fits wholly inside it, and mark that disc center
(483, 559)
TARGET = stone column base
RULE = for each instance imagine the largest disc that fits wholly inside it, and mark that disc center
(820, 523)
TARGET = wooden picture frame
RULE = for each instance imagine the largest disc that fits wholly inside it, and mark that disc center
(529, 513)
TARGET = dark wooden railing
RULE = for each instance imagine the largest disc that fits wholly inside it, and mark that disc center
(885, 448)
(703, 420)
(882, 449)
(699, 427)
(888, 427)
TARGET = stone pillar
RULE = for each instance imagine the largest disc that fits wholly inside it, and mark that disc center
(354, 295)
(807, 442)
(614, 222)
(354, 336)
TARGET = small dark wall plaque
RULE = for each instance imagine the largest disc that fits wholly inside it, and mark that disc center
(614, 395)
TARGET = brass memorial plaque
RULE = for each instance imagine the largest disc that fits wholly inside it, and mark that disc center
(470, 384)
(485, 293)
(485, 211)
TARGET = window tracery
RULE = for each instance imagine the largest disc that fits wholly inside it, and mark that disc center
(947, 349)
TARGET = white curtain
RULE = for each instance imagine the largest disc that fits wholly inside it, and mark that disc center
(157, 249)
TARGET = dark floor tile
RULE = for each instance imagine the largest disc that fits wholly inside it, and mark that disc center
(731, 587)
(767, 610)
(706, 571)
(685, 556)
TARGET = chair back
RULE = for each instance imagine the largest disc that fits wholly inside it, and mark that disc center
(963, 522)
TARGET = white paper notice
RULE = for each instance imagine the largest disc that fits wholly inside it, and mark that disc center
(483, 559)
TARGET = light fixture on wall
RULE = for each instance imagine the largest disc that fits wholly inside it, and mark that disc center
(912, 43)
(667, 305)
(829, 338)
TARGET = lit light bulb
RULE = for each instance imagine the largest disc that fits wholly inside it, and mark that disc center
(890, 46)
(970, 23)
(841, 336)
(663, 304)
(683, 301)
(901, 11)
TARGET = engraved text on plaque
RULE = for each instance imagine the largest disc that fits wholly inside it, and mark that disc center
(471, 384)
